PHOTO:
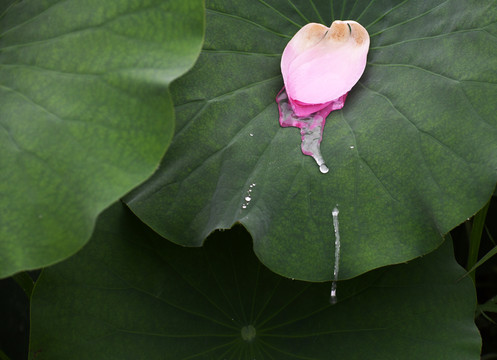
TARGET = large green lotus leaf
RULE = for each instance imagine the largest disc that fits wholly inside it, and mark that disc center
(85, 113)
(412, 154)
(130, 295)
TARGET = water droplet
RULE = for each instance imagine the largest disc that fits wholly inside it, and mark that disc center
(333, 294)
(352, 146)
(248, 196)
(251, 134)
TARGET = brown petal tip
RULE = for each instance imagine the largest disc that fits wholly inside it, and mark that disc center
(358, 33)
(339, 31)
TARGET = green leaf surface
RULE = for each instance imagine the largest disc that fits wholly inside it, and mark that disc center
(85, 113)
(130, 295)
(412, 154)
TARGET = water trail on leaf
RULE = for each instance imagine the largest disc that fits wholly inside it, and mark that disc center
(333, 294)
(311, 129)
(311, 126)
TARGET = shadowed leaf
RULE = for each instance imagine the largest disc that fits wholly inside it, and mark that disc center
(131, 295)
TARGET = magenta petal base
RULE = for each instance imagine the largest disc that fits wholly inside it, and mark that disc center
(311, 125)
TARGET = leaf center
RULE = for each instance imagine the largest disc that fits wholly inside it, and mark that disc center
(248, 333)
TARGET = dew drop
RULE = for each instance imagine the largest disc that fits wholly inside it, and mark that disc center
(352, 146)
(251, 134)
(248, 196)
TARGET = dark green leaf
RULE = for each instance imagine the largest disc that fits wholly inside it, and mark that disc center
(85, 113)
(412, 154)
(484, 259)
(3, 356)
(25, 281)
(474, 240)
(489, 306)
(131, 295)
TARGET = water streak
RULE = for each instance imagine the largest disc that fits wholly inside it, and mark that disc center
(311, 126)
(311, 129)
(333, 294)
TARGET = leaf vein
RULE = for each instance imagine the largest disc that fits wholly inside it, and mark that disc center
(411, 66)
(298, 11)
(427, 38)
(385, 14)
(288, 354)
(176, 306)
(240, 18)
(280, 14)
(238, 52)
(365, 10)
(418, 131)
(408, 20)
(316, 11)
(214, 348)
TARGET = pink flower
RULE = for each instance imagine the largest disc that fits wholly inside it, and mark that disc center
(320, 65)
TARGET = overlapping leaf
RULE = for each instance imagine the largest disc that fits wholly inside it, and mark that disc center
(85, 113)
(130, 295)
(412, 154)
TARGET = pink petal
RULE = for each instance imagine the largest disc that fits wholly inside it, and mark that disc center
(320, 65)
(303, 109)
(307, 37)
